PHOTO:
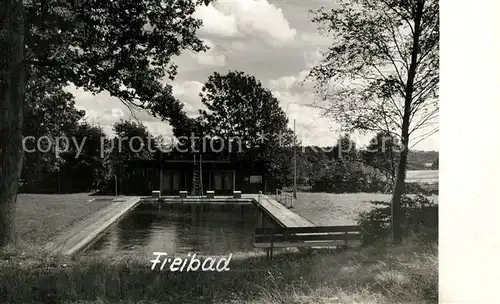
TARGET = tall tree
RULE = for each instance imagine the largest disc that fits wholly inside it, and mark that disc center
(49, 112)
(132, 141)
(381, 72)
(383, 154)
(83, 159)
(124, 47)
(238, 106)
(12, 86)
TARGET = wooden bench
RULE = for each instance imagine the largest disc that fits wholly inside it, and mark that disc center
(300, 237)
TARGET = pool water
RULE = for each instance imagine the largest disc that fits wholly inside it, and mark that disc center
(179, 230)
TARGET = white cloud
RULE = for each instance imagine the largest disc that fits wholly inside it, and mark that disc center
(313, 58)
(251, 17)
(291, 82)
(315, 38)
(237, 46)
(214, 60)
(212, 57)
(242, 35)
(188, 93)
(159, 128)
(215, 22)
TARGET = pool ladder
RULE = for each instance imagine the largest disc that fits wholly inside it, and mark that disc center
(197, 179)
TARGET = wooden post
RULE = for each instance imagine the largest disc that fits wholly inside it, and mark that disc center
(272, 244)
(265, 183)
(161, 172)
(201, 178)
(294, 162)
(234, 180)
(210, 179)
(259, 218)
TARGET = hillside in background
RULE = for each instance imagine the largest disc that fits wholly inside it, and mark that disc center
(417, 160)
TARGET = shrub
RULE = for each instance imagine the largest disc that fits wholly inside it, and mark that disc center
(350, 177)
(420, 217)
(425, 189)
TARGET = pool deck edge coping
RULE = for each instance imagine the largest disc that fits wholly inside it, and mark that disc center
(87, 230)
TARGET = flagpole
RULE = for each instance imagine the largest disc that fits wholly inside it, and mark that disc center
(294, 162)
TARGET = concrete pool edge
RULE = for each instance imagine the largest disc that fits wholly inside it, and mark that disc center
(86, 231)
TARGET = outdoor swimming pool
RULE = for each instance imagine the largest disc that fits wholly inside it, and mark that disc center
(179, 230)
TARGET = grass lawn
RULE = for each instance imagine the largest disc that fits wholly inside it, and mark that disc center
(407, 273)
(402, 274)
(337, 209)
(423, 176)
(39, 217)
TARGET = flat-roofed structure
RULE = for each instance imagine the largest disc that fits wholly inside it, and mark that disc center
(211, 172)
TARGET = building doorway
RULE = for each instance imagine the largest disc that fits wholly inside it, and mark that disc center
(222, 182)
(171, 182)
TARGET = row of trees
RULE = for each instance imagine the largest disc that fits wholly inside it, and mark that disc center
(381, 74)
(123, 47)
(236, 106)
(383, 61)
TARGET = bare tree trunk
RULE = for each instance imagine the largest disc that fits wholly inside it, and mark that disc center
(399, 186)
(12, 86)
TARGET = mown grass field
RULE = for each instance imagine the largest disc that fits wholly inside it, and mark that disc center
(406, 273)
(422, 176)
(39, 217)
(337, 209)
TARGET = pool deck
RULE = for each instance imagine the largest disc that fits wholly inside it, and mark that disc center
(281, 214)
(83, 233)
(223, 200)
(79, 236)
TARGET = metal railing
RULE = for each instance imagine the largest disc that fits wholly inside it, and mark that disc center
(285, 198)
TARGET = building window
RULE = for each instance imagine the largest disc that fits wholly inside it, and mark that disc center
(256, 179)
(171, 180)
(223, 181)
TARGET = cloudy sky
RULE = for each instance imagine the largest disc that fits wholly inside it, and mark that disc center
(272, 40)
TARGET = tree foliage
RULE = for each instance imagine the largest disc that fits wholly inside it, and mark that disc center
(381, 73)
(239, 107)
(49, 112)
(84, 161)
(123, 47)
(420, 217)
(383, 153)
(383, 63)
(132, 141)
